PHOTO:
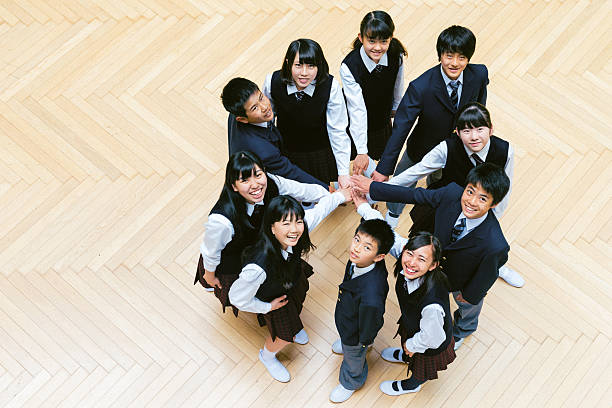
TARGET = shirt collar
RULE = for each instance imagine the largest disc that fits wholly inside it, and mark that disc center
(482, 153)
(370, 65)
(470, 223)
(357, 271)
(261, 124)
(251, 207)
(447, 80)
(309, 90)
(413, 284)
(286, 253)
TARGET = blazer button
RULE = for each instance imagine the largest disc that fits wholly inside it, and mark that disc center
(340, 291)
(444, 258)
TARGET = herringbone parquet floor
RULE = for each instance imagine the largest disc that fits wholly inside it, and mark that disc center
(113, 143)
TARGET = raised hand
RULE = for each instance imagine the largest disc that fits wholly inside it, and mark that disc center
(361, 184)
(376, 176)
(360, 164)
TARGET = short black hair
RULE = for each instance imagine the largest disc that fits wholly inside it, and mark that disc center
(473, 115)
(236, 93)
(492, 178)
(456, 39)
(310, 52)
(380, 231)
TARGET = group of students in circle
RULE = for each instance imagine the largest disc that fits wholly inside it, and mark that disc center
(291, 145)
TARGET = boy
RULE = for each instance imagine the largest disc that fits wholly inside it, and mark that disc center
(250, 127)
(473, 245)
(433, 99)
(361, 304)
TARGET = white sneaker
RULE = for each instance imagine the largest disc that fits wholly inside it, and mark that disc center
(511, 277)
(392, 221)
(389, 354)
(301, 337)
(387, 388)
(276, 369)
(337, 347)
(458, 344)
(340, 394)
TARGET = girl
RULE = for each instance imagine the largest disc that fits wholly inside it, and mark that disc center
(425, 325)
(236, 217)
(373, 81)
(311, 113)
(274, 282)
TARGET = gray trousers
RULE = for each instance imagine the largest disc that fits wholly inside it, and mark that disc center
(354, 368)
(465, 317)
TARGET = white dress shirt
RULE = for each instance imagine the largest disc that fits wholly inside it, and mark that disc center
(357, 271)
(337, 120)
(470, 224)
(219, 229)
(447, 81)
(243, 290)
(357, 111)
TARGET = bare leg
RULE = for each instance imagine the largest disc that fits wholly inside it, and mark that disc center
(276, 345)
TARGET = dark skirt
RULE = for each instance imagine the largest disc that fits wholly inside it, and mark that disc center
(321, 164)
(426, 367)
(285, 322)
(377, 140)
(226, 282)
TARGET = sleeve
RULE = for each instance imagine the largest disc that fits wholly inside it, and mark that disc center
(482, 95)
(407, 112)
(485, 276)
(299, 191)
(509, 169)
(243, 290)
(431, 334)
(323, 208)
(267, 89)
(434, 160)
(398, 194)
(398, 88)
(278, 164)
(357, 111)
(368, 213)
(337, 121)
(370, 322)
(219, 231)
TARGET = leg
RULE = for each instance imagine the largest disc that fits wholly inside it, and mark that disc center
(275, 345)
(465, 318)
(268, 357)
(395, 209)
(401, 387)
(354, 368)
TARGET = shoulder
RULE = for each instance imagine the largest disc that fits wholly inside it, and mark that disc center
(479, 70)
(496, 241)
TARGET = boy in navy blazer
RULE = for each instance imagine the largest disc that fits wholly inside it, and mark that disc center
(361, 303)
(473, 244)
(433, 98)
(250, 127)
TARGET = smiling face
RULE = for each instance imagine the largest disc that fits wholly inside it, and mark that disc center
(475, 201)
(258, 109)
(453, 64)
(303, 74)
(252, 188)
(288, 231)
(475, 138)
(364, 250)
(375, 48)
(417, 262)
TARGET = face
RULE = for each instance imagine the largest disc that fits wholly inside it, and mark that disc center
(252, 189)
(453, 64)
(288, 231)
(475, 201)
(258, 109)
(363, 250)
(303, 74)
(417, 262)
(375, 48)
(475, 138)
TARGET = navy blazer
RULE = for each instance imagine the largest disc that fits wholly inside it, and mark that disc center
(427, 99)
(471, 263)
(266, 143)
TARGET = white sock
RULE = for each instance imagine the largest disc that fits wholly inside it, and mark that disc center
(267, 354)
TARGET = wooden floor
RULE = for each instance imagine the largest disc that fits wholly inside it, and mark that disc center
(113, 144)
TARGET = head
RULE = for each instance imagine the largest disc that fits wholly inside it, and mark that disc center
(242, 98)
(304, 62)
(375, 34)
(284, 224)
(372, 241)
(455, 47)
(245, 176)
(474, 126)
(486, 186)
(421, 255)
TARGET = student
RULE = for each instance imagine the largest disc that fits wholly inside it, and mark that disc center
(250, 127)
(373, 81)
(472, 143)
(273, 281)
(311, 113)
(473, 244)
(236, 217)
(433, 98)
(361, 304)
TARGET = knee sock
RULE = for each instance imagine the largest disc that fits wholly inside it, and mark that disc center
(408, 384)
(267, 354)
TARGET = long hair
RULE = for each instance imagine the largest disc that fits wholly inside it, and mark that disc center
(379, 25)
(310, 52)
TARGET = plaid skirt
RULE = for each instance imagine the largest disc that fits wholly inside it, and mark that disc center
(426, 367)
(321, 164)
(285, 322)
(226, 282)
(377, 140)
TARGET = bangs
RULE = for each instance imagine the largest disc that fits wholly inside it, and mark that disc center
(291, 216)
(378, 30)
(308, 54)
(284, 208)
(473, 117)
(243, 168)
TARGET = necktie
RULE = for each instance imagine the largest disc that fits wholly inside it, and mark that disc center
(454, 97)
(299, 95)
(457, 230)
(378, 69)
(477, 159)
(351, 271)
(257, 216)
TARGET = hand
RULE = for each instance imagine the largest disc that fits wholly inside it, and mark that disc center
(211, 279)
(460, 298)
(361, 184)
(376, 176)
(344, 181)
(361, 163)
(408, 353)
(279, 302)
(358, 198)
(346, 192)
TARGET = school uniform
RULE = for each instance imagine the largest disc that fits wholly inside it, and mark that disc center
(359, 316)
(224, 241)
(371, 90)
(265, 141)
(313, 124)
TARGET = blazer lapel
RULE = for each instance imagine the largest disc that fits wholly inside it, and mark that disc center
(474, 236)
(467, 89)
(440, 90)
(444, 231)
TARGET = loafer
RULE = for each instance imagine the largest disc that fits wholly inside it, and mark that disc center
(511, 277)
(276, 369)
(301, 337)
(340, 394)
(392, 355)
(387, 388)
(337, 347)
(458, 343)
